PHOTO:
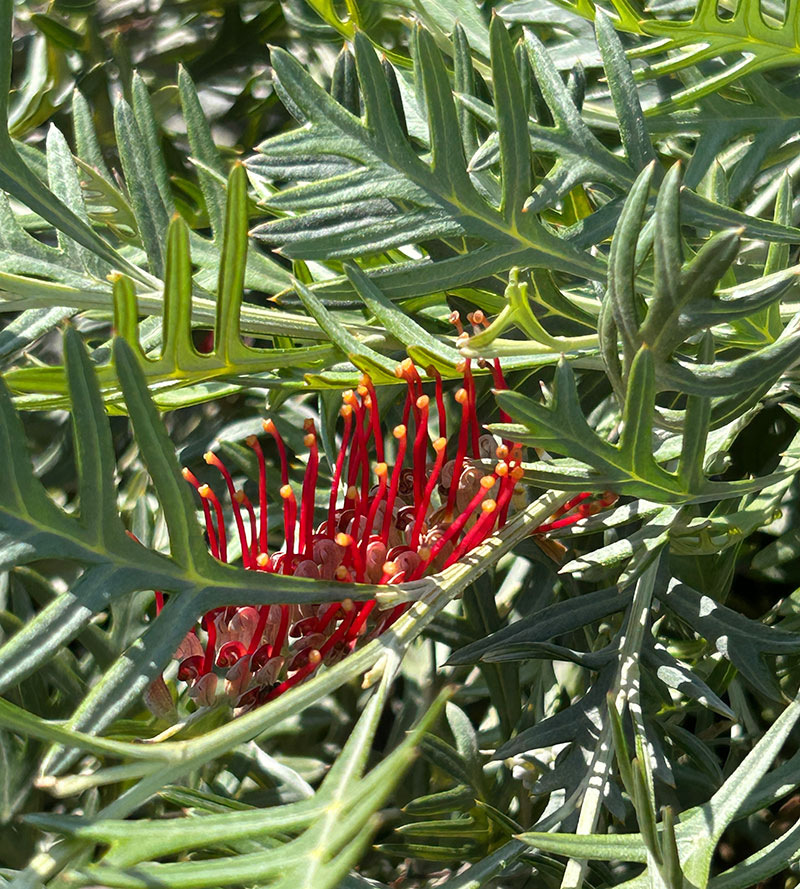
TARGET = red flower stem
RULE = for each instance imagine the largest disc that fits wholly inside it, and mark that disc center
(339, 633)
(400, 433)
(263, 617)
(283, 630)
(354, 463)
(327, 616)
(571, 504)
(440, 446)
(270, 427)
(243, 499)
(500, 384)
(305, 545)
(382, 471)
(360, 619)
(366, 381)
(295, 678)
(347, 413)
(474, 426)
(254, 443)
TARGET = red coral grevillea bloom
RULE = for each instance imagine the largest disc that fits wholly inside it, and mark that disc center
(382, 525)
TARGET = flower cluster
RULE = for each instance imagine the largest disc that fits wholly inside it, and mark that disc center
(382, 525)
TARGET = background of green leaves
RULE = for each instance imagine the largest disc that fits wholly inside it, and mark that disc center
(614, 186)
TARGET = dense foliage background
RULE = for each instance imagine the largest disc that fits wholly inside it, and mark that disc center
(261, 200)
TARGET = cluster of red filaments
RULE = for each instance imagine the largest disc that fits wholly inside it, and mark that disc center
(382, 525)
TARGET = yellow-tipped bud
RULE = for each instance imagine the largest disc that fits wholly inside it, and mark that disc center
(399, 431)
(440, 444)
(286, 492)
(489, 505)
(422, 402)
(343, 539)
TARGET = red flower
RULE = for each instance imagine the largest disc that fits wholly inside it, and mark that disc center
(382, 525)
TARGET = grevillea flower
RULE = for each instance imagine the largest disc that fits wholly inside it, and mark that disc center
(382, 525)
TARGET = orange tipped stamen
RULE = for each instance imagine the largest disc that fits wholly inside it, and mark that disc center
(432, 372)
(209, 522)
(289, 520)
(270, 427)
(213, 460)
(477, 533)
(207, 494)
(345, 540)
(420, 452)
(452, 532)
